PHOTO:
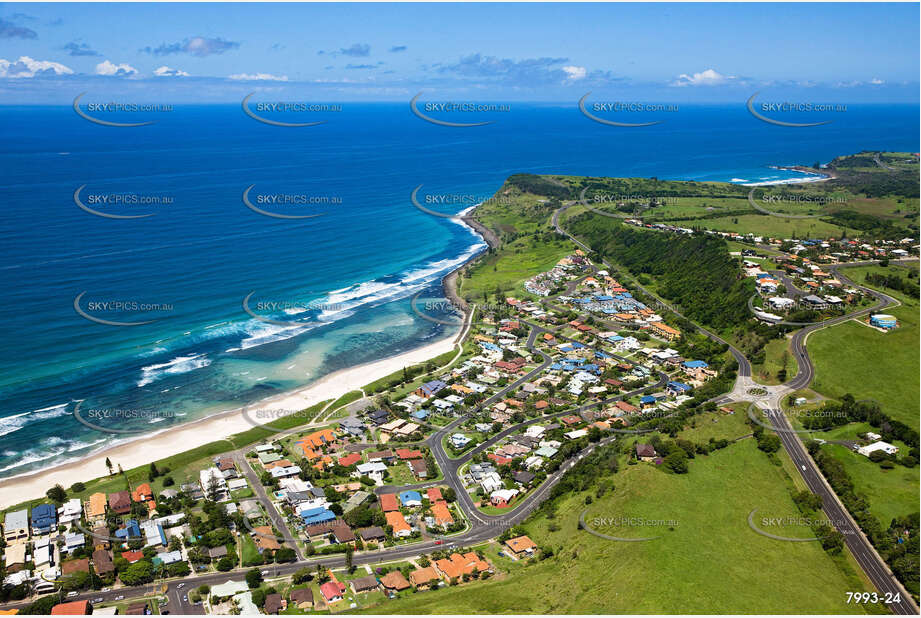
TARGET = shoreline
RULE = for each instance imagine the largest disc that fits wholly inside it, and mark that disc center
(187, 436)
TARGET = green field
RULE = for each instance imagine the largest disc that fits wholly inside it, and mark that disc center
(774, 349)
(891, 493)
(853, 358)
(766, 225)
(710, 549)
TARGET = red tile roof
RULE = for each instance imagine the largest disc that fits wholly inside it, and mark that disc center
(389, 502)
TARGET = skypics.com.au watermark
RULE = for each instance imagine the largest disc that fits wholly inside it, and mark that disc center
(281, 113)
(623, 107)
(625, 522)
(104, 113)
(121, 421)
(423, 111)
(288, 205)
(93, 310)
(778, 109)
(288, 307)
(97, 203)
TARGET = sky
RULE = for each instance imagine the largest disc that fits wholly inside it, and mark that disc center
(688, 52)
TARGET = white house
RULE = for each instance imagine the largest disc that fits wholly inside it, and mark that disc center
(887, 448)
(491, 482)
(374, 470)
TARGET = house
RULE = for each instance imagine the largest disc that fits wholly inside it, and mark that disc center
(73, 541)
(645, 452)
(70, 512)
(459, 440)
(381, 457)
(350, 460)
(373, 533)
(434, 494)
(153, 533)
(491, 481)
(664, 330)
(419, 468)
(423, 578)
(442, 514)
(399, 524)
(332, 591)
(103, 563)
(885, 447)
(16, 527)
(677, 388)
(213, 484)
(355, 500)
(132, 556)
(405, 453)
(521, 546)
(389, 502)
(523, 477)
(274, 603)
(44, 518)
(374, 470)
(429, 389)
(317, 515)
(502, 497)
(302, 597)
(394, 581)
(95, 508)
(143, 493)
(73, 608)
(364, 584)
(120, 502)
(136, 609)
(216, 553)
(410, 498)
(14, 557)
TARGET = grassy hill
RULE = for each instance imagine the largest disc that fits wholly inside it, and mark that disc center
(709, 561)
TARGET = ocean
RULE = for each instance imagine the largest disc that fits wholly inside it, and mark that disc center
(323, 293)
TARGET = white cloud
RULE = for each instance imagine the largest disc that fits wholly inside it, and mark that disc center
(575, 73)
(165, 71)
(704, 78)
(108, 68)
(29, 67)
(876, 81)
(268, 77)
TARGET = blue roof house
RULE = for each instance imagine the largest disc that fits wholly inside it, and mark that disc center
(44, 518)
(411, 498)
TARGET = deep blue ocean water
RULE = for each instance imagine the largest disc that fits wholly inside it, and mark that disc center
(353, 269)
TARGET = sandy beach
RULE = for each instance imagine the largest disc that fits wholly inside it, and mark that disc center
(145, 449)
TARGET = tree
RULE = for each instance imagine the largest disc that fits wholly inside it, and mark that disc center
(259, 598)
(141, 572)
(349, 551)
(77, 487)
(56, 494)
(285, 554)
(109, 466)
(253, 578)
(677, 461)
(226, 563)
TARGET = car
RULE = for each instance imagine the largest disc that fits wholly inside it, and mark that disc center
(120, 597)
(72, 594)
(99, 600)
(439, 542)
(803, 467)
(180, 586)
(185, 598)
(105, 589)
